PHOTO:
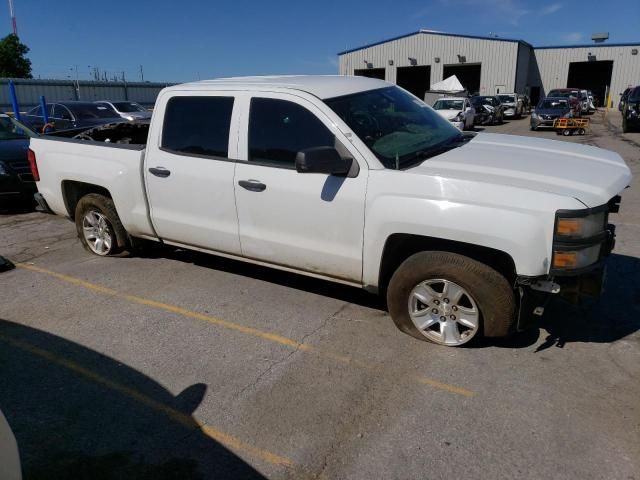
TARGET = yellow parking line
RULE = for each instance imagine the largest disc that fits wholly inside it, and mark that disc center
(183, 419)
(272, 337)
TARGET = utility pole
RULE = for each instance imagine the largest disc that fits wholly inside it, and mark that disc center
(75, 67)
(141, 74)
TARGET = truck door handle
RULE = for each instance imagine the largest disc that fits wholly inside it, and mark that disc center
(160, 172)
(253, 185)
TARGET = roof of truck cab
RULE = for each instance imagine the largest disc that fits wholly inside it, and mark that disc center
(322, 86)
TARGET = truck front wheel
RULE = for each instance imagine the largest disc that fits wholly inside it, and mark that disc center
(99, 226)
(450, 299)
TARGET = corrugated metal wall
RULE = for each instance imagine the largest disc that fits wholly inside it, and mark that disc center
(553, 66)
(29, 91)
(497, 57)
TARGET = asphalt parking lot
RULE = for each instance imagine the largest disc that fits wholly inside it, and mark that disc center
(184, 365)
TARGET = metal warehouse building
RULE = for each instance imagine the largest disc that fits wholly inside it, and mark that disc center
(488, 65)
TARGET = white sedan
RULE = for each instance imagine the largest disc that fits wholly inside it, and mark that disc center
(458, 111)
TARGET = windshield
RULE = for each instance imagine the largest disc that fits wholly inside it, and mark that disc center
(634, 95)
(127, 107)
(9, 130)
(507, 98)
(92, 111)
(554, 104)
(482, 100)
(560, 93)
(396, 126)
(448, 105)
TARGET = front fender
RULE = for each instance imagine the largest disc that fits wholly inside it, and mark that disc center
(492, 221)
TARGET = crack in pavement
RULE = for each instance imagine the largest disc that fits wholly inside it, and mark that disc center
(273, 365)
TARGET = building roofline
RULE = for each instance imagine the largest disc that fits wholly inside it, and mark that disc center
(430, 32)
(590, 45)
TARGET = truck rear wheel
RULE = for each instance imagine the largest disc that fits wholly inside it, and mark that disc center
(99, 226)
(450, 299)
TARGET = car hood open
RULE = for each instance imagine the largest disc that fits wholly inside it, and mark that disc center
(589, 174)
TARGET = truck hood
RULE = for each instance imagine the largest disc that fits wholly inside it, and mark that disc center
(448, 114)
(591, 175)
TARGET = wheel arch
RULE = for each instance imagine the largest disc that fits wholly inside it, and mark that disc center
(73, 191)
(400, 246)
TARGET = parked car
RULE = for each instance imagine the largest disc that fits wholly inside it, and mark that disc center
(128, 110)
(16, 181)
(492, 106)
(631, 111)
(573, 94)
(513, 105)
(354, 180)
(457, 110)
(67, 115)
(548, 110)
(623, 98)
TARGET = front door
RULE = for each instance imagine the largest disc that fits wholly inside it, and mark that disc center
(189, 176)
(308, 221)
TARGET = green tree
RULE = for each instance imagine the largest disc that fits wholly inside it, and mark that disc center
(13, 60)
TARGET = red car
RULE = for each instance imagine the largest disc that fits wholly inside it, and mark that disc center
(573, 94)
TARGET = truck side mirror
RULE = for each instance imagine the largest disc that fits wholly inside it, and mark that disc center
(322, 160)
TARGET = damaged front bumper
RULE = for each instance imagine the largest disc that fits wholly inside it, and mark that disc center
(575, 286)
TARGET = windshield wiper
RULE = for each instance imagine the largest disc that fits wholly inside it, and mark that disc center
(445, 146)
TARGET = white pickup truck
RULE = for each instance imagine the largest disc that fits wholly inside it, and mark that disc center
(352, 180)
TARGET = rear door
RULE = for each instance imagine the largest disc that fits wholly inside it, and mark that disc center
(308, 221)
(189, 171)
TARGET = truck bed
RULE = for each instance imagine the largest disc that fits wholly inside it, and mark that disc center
(65, 164)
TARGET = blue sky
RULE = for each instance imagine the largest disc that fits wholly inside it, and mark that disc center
(185, 40)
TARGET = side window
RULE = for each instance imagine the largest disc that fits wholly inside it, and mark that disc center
(36, 112)
(198, 125)
(61, 112)
(279, 129)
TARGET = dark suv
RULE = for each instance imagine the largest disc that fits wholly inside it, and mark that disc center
(631, 111)
(623, 98)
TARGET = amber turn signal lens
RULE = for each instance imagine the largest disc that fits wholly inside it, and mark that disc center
(565, 259)
(568, 226)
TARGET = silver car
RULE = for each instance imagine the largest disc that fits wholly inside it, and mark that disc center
(129, 110)
(513, 104)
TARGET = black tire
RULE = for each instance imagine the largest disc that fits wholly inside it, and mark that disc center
(105, 206)
(490, 290)
(533, 129)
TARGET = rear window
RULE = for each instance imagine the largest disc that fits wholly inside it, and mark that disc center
(198, 125)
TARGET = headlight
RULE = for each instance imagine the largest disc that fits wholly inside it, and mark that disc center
(4, 171)
(580, 228)
(578, 239)
(574, 259)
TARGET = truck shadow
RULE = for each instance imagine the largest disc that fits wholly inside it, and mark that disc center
(615, 315)
(77, 414)
(292, 280)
